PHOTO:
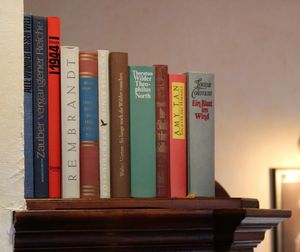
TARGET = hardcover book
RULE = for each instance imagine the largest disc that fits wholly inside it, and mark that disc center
(89, 128)
(40, 107)
(104, 123)
(54, 107)
(200, 114)
(28, 119)
(70, 122)
(142, 131)
(118, 64)
(177, 103)
(162, 132)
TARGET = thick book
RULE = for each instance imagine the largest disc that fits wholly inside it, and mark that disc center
(54, 107)
(119, 128)
(70, 145)
(162, 131)
(40, 107)
(89, 128)
(200, 128)
(142, 131)
(177, 103)
(28, 119)
(104, 122)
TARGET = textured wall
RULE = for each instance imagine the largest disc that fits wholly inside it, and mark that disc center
(253, 48)
(11, 116)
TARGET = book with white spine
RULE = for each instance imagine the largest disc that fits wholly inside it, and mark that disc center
(70, 122)
(104, 123)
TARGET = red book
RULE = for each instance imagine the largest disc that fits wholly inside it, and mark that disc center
(54, 107)
(177, 103)
(162, 131)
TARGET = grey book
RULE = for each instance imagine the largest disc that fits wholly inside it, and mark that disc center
(200, 138)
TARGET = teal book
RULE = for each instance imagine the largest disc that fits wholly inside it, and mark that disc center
(142, 131)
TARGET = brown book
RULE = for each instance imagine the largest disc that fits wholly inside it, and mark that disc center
(89, 127)
(162, 131)
(119, 103)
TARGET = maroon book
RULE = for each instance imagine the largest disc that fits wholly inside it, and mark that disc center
(119, 105)
(89, 171)
(162, 131)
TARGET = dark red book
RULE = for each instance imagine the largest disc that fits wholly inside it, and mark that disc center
(89, 125)
(89, 171)
(162, 131)
(54, 107)
(177, 103)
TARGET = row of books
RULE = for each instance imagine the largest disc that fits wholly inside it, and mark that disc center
(98, 128)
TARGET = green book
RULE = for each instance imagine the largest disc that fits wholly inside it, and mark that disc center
(142, 131)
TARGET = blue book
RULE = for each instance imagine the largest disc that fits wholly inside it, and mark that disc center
(28, 120)
(40, 107)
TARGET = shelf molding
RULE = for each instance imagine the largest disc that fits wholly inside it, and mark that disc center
(210, 224)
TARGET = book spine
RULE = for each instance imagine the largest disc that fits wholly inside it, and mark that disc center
(104, 123)
(162, 131)
(89, 128)
(70, 122)
(177, 103)
(54, 107)
(118, 64)
(200, 90)
(142, 131)
(28, 120)
(40, 106)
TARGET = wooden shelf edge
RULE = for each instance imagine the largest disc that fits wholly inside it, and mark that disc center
(186, 203)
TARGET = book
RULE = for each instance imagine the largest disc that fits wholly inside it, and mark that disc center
(28, 119)
(142, 131)
(177, 103)
(200, 114)
(119, 128)
(162, 131)
(40, 107)
(89, 128)
(70, 147)
(104, 123)
(54, 107)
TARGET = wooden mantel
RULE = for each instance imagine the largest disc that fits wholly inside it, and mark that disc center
(201, 224)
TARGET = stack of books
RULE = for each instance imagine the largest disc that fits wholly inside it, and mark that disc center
(98, 128)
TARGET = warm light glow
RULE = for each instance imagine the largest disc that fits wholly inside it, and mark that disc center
(291, 159)
(290, 176)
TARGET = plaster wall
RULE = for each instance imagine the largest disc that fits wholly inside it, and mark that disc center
(11, 117)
